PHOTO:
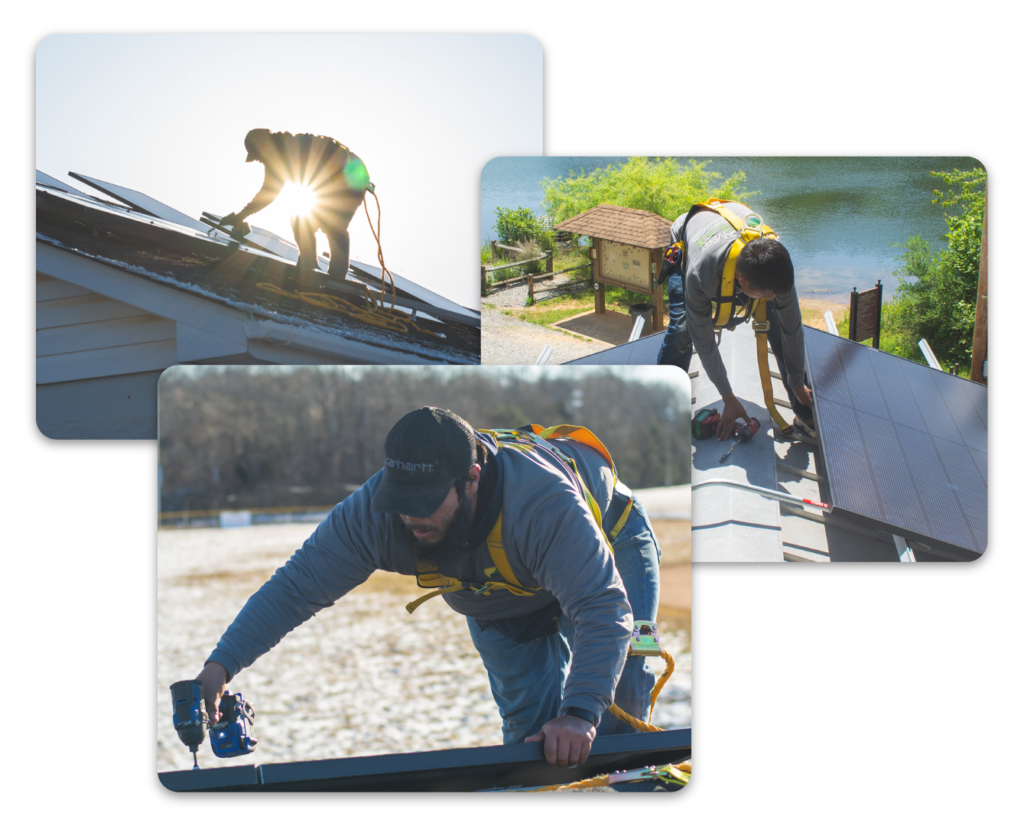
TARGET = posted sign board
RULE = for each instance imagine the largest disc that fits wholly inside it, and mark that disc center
(626, 266)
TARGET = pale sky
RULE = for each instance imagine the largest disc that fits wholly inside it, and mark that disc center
(167, 115)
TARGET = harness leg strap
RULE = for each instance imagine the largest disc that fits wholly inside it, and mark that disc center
(761, 335)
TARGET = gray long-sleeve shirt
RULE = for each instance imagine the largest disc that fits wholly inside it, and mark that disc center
(708, 240)
(551, 542)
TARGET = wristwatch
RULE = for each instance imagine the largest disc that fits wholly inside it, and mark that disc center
(582, 713)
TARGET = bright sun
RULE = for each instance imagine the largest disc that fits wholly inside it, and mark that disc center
(296, 199)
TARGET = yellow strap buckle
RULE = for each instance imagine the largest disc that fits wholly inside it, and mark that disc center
(761, 326)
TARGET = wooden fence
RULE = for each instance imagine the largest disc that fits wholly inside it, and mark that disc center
(548, 258)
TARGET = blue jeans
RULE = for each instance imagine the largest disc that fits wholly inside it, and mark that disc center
(677, 347)
(527, 679)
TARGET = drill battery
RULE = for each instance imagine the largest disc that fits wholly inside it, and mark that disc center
(233, 735)
(705, 423)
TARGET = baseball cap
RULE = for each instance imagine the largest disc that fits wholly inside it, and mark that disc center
(253, 139)
(425, 452)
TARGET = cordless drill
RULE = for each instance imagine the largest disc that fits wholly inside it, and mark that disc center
(742, 433)
(190, 718)
(230, 737)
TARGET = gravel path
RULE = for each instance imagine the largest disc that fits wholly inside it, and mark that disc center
(507, 340)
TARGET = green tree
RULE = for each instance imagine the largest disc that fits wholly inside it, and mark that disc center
(938, 289)
(659, 185)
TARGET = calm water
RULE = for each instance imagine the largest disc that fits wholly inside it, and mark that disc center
(839, 217)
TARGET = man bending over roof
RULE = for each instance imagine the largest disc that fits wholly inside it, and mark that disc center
(763, 270)
(334, 174)
(506, 528)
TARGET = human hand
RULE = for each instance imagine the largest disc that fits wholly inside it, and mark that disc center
(566, 739)
(214, 678)
(732, 410)
(803, 394)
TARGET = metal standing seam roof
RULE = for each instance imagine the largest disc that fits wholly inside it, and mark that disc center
(636, 227)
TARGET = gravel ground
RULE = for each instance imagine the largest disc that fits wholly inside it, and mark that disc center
(507, 340)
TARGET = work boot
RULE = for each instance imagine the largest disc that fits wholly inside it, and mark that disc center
(308, 279)
(805, 426)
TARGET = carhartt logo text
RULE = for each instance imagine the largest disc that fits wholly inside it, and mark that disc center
(398, 464)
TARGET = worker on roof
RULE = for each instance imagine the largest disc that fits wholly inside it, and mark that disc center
(454, 501)
(335, 176)
(763, 270)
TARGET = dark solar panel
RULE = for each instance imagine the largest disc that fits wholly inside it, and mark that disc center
(905, 446)
(641, 351)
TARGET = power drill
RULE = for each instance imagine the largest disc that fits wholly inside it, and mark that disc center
(231, 737)
(190, 718)
(742, 433)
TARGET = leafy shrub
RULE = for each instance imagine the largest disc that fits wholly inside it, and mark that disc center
(515, 226)
(938, 290)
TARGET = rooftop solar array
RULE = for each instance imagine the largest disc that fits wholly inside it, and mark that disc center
(142, 203)
(642, 351)
(53, 183)
(155, 242)
(369, 274)
(905, 446)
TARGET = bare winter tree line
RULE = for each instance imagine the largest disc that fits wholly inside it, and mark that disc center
(243, 437)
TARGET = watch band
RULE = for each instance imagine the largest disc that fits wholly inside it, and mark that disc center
(582, 713)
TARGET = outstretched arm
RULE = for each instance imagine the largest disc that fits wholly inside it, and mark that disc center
(272, 186)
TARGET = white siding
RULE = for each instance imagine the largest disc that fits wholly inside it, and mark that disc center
(81, 335)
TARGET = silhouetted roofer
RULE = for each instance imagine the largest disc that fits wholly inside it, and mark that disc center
(335, 175)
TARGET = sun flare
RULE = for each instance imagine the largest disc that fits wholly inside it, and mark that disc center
(297, 199)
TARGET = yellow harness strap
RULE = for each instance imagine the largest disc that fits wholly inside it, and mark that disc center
(761, 326)
(445, 585)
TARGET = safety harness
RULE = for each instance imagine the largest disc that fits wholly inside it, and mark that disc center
(500, 576)
(729, 312)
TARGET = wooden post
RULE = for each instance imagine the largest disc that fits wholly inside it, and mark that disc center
(529, 281)
(979, 352)
(550, 263)
(598, 286)
(656, 293)
(483, 280)
(494, 250)
(853, 314)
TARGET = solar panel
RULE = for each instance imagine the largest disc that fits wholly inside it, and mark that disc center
(370, 275)
(264, 239)
(142, 203)
(641, 351)
(53, 183)
(905, 446)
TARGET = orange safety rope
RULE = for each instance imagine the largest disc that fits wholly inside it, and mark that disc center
(380, 251)
(640, 724)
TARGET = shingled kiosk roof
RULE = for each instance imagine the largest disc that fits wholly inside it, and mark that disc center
(636, 227)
